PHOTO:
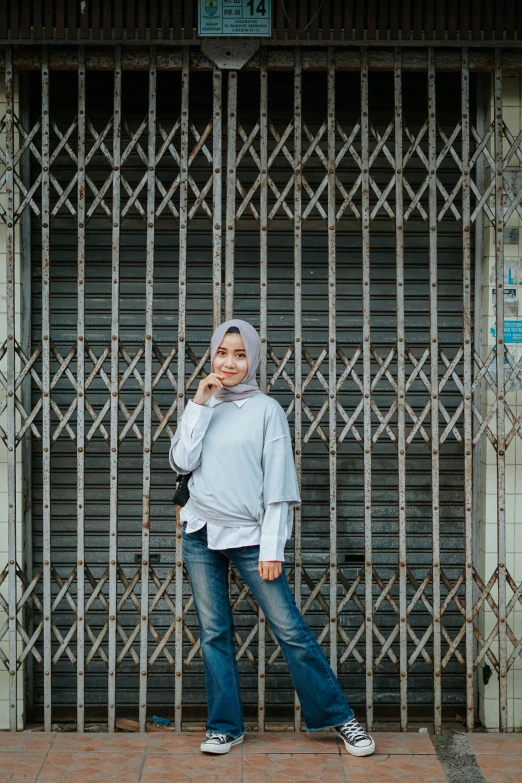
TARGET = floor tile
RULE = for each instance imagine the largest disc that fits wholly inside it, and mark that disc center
(272, 757)
(21, 741)
(106, 743)
(292, 768)
(393, 769)
(93, 767)
(187, 742)
(20, 767)
(407, 743)
(501, 767)
(290, 742)
(191, 768)
(495, 743)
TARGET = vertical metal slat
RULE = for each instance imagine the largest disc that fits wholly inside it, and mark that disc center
(183, 227)
(46, 389)
(367, 440)
(230, 233)
(114, 385)
(11, 379)
(467, 386)
(263, 330)
(147, 386)
(434, 386)
(332, 355)
(479, 176)
(80, 398)
(217, 228)
(501, 413)
(298, 335)
(28, 564)
(401, 394)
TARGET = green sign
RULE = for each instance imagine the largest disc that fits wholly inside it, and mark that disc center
(245, 18)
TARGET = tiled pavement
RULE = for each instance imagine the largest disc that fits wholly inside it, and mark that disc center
(499, 756)
(274, 757)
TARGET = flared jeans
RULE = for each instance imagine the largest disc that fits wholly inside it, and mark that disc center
(322, 700)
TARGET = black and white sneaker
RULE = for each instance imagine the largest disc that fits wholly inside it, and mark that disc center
(357, 741)
(219, 743)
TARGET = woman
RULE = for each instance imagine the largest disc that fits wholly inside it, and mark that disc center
(243, 487)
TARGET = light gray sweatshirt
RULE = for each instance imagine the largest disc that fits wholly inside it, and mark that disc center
(246, 463)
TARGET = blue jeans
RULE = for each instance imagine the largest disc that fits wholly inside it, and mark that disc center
(320, 694)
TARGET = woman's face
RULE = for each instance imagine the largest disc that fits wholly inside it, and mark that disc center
(231, 359)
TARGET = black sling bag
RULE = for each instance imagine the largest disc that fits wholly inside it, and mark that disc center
(182, 494)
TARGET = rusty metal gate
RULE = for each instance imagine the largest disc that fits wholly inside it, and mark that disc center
(341, 223)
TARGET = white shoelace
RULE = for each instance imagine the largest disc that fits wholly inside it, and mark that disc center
(354, 732)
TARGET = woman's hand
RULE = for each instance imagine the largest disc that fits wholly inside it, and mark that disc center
(269, 569)
(207, 386)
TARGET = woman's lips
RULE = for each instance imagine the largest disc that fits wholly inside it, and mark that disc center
(229, 373)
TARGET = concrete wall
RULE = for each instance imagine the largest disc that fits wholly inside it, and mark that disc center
(4, 676)
(488, 694)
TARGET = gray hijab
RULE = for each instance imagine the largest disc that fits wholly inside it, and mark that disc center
(249, 386)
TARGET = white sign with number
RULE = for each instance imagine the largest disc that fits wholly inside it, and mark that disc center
(229, 18)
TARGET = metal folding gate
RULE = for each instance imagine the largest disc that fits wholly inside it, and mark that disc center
(380, 391)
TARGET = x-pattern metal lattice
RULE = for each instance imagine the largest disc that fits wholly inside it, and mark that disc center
(28, 363)
(349, 402)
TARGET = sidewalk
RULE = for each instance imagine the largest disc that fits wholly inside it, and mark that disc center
(274, 757)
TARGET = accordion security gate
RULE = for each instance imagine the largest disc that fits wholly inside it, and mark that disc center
(416, 395)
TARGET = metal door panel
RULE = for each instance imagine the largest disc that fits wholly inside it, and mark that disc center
(344, 232)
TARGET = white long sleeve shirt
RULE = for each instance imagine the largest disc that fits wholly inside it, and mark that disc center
(185, 455)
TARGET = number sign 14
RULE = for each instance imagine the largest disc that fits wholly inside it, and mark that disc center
(235, 18)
